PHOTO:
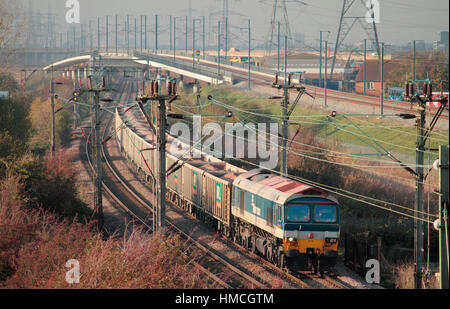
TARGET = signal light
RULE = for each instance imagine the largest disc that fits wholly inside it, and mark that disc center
(210, 97)
(407, 94)
(276, 79)
(103, 82)
(230, 114)
(156, 88)
(289, 78)
(152, 88)
(333, 114)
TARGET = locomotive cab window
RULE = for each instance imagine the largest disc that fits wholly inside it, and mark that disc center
(325, 213)
(298, 213)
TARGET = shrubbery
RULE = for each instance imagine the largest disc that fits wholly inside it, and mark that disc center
(36, 244)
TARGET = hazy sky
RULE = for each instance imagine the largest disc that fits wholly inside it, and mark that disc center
(401, 21)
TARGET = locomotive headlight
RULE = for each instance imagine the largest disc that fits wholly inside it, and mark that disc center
(331, 240)
(291, 239)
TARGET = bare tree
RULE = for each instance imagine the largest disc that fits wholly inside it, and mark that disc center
(12, 24)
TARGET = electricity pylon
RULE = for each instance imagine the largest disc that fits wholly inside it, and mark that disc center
(371, 17)
(279, 15)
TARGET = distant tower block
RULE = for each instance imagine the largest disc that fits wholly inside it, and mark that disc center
(366, 13)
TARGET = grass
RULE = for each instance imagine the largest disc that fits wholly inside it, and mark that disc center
(397, 136)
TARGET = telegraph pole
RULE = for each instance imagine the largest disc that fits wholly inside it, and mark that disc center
(91, 43)
(326, 73)
(320, 59)
(226, 39)
(140, 25)
(76, 86)
(96, 149)
(218, 51)
(285, 133)
(193, 42)
(145, 32)
(285, 112)
(278, 53)
(98, 33)
(422, 136)
(107, 32)
(249, 53)
(117, 51)
(418, 200)
(204, 36)
(174, 38)
(161, 214)
(414, 61)
(170, 37)
(98, 162)
(382, 79)
(161, 141)
(443, 217)
(199, 105)
(52, 117)
(365, 65)
(128, 34)
(156, 32)
(186, 40)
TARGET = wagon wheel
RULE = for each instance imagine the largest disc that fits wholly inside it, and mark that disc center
(253, 245)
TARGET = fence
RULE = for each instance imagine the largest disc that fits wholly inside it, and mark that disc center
(358, 252)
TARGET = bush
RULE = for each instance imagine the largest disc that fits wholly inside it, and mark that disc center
(50, 183)
(15, 127)
(35, 246)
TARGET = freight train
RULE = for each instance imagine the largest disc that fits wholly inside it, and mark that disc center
(293, 225)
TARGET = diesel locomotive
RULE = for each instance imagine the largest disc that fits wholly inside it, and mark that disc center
(291, 224)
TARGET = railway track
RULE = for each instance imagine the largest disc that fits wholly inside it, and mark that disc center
(294, 279)
(215, 268)
(212, 265)
(263, 79)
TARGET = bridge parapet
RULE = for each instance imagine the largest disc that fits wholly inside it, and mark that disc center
(196, 70)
